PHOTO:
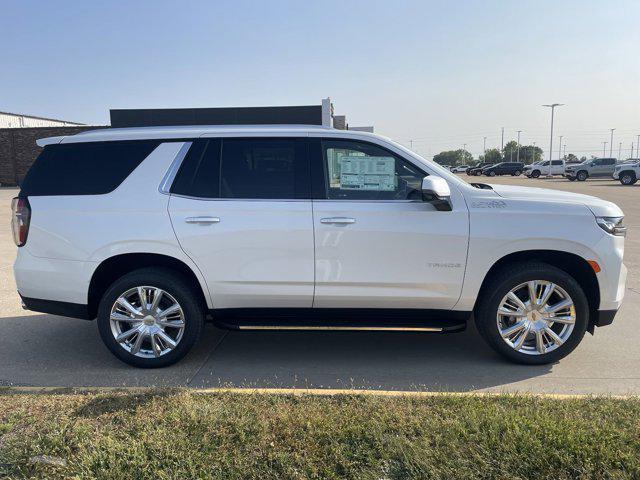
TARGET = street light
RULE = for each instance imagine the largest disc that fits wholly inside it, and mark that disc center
(484, 147)
(552, 107)
(604, 149)
(611, 144)
(518, 154)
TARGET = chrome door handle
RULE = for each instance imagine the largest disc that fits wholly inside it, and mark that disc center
(202, 220)
(338, 220)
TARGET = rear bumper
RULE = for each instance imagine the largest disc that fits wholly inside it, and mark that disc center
(53, 307)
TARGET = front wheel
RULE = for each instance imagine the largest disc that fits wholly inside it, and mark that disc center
(535, 173)
(150, 317)
(491, 174)
(628, 178)
(517, 173)
(532, 313)
(582, 176)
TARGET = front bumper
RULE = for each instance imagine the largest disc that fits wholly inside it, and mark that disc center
(616, 174)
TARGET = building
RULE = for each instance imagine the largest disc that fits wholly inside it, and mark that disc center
(19, 120)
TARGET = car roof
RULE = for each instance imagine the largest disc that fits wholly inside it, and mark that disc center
(195, 131)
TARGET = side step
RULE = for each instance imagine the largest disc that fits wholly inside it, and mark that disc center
(376, 320)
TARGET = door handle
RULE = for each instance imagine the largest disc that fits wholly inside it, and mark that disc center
(202, 220)
(338, 220)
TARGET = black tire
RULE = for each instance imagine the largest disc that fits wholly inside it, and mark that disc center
(571, 179)
(535, 173)
(628, 178)
(511, 276)
(582, 175)
(517, 173)
(175, 285)
(491, 174)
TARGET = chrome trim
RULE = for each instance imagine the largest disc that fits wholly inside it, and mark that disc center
(205, 199)
(169, 177)
(338, 328)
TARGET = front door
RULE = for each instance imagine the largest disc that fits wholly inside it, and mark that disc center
(240, 208)
(377, 244)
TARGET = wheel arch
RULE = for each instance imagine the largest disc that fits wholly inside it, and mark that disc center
(115, 267)
(573, 264)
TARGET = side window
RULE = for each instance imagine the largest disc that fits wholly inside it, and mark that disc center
(363, 171)
(556, 162)
(264, 168)
(609, 161)
(199, 174)
(92, 168)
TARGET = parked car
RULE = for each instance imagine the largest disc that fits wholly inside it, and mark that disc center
(476, 169)
(627, 172)
(542, 168)
(504, 168)
(596, 167)
(154, 230)
(459, 169)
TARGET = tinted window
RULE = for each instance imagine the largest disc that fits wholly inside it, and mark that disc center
(556, 162)
(91, 168)
(269, 168)
(362, 171)
(609, 161)
(199, 174)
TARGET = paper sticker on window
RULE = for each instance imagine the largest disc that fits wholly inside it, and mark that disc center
(367, 173)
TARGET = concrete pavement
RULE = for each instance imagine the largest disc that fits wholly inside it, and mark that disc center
(46, 350)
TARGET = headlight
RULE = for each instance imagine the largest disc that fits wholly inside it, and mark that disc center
(612, 225)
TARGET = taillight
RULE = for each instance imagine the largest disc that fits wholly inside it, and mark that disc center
(20, 219)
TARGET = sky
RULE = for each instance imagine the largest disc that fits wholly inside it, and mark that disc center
(435, 75)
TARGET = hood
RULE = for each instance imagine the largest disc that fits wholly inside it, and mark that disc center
(599, 207)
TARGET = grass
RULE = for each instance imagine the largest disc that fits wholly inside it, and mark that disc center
(181, 434)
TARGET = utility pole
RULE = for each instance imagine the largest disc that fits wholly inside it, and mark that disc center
(553, 107)
(611, 144)
(604, 149)
(518, 155)
(502, 141)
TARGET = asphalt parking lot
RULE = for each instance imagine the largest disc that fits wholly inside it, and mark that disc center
(46, 350)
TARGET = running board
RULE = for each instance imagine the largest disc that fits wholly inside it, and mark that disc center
(372, 320)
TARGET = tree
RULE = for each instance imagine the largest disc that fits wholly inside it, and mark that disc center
(571, 158)
(528, 153)
(453, 157)
(492, 155)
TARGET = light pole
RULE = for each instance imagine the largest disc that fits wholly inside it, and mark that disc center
(464, 150)
(552, 107)
(604, 149)
(502, 141)
(611, 144)
(533, 153)
(637, 147)
(564, 151)
(484, 148)
(518, 154)
(559, 150)
(619, 151)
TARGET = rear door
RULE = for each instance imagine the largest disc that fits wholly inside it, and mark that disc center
(241, 210)
(378, 245)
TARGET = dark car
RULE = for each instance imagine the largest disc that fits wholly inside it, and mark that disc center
(477, 168)
(504, 168)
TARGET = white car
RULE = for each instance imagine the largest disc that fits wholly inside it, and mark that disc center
(627, 172)
(543, 168)
(459, 169)
(154, 230)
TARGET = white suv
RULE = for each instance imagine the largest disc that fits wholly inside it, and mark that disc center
(155, 230)
(542, 168)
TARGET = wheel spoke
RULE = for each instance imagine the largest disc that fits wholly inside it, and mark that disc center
(566, 319)
(514, 298)
(138, 343)
(157, 296)
(157, 351)
(508, 332)
(540, 342)
(128, 334)
(127, 306)
(142, 295)
(168, 341)
(170, 323)
(546, 293)
(554, 336)
(119, 317)
(169, 311)
(533, 294)
(521, 339)
(559, 306)
(511, 313)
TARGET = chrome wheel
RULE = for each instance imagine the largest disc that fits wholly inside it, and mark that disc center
(147, 322)
(536, 317)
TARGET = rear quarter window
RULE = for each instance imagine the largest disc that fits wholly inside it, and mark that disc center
(91, 168)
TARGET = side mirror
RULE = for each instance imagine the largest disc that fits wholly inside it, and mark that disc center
(436, 191)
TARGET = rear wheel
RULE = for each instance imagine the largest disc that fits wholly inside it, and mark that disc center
(535, 173)
(150, 318)
(517, 173)
(492, 173)
(582, 176)
(628, 178)
(533, 313)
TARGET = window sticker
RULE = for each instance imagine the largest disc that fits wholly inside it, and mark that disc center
(367, 173)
